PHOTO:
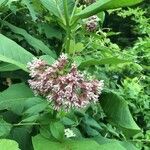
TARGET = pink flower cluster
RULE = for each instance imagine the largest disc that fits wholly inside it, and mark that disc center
(64, 88)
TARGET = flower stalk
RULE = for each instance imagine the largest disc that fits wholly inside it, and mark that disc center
(68, 28)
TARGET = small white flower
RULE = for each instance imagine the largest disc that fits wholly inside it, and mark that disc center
(69, 133)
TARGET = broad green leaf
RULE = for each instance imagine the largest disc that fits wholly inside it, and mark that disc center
(36, 43)
(12, 53)
(8, 67)
(56, 6)
(53, 6)
(105, 5)
(118, 112)
(6, 144)
(14, 97)
(40, 143)
(4, 128)
(57, 130)
(111, 61)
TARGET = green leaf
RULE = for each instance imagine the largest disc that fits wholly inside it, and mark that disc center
(8, 67)
(29, 5)
(12, 53)
(79, 47)
(50, 60)
(67, 121)
(105, 5)
(3, 3)
(90, 131)
(36, 107)
(76, 47)
(6, 144)
(36, 43)
(57, 130)
(4, 128)
(101, 16)
(118, 112)
(40, 143)
(91, 122)
(117, 145)
(51, 31)
(111, 61)
(56, 6)
(128, 146)
(53, 6)
(23, 137)
(14, 97)
(30, 119)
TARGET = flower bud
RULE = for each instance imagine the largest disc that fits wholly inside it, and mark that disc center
(92, 23)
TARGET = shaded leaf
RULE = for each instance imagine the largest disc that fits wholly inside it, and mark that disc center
(14, 97)
(4, 128)
(91, 122)
(51, 31)
(22, 136)
(32, 111)
(36, 105)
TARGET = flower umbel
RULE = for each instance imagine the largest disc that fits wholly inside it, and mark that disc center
(64, 88)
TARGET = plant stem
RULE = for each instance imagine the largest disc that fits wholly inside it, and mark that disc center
(68, 30)
(140, 140)
(24, 124)
(74, 9)
(60, 13)
(68, 38)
